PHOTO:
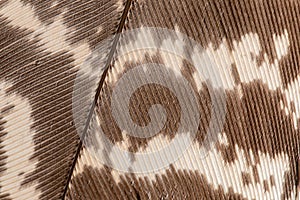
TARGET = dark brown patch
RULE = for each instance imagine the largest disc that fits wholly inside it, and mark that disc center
(235, 74)
(99, 184)
(246, 177)
(85, 17)
(255, 174)
(266, 186)
(272, 181)
(20, 174)
(229, 155)
(151, 94)
(197, 19)
(293, 107)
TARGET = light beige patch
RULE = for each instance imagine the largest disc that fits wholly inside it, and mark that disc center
(244, 54)
(18, 146)
(220, 58)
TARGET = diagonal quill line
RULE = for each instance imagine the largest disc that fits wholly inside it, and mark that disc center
(109, 59)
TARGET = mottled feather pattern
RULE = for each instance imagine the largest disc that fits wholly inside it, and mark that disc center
(254, 43)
